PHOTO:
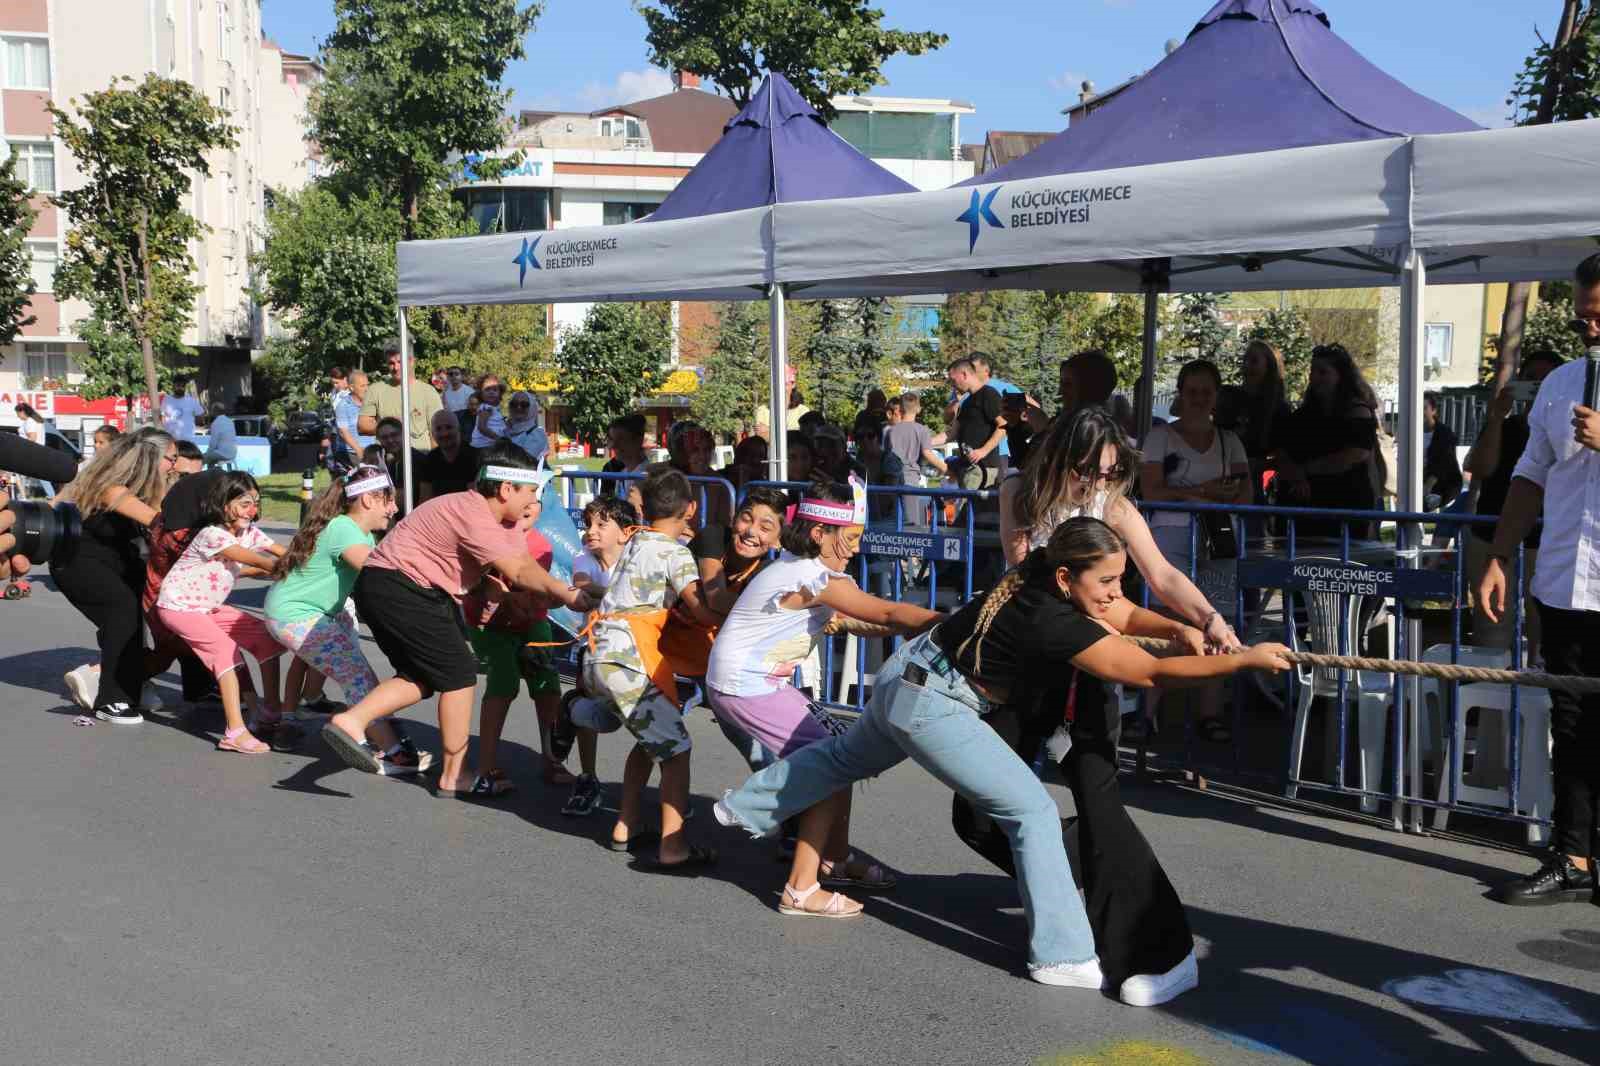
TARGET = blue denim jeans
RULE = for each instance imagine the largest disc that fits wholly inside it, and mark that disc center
(937, 724)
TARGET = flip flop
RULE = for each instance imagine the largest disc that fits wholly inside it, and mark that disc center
(637, 840)
(355, 753)
(698, 860)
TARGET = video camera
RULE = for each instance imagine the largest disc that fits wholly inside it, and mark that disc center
(43, 533)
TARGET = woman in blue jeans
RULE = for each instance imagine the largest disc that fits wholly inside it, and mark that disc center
(1018, 643)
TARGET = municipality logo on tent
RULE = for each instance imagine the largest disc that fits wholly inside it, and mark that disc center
(977, 213)
(528, 257)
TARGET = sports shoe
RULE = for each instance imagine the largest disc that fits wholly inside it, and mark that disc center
(120, 713)
(83, 684)
(149, 699)
(585, 798)
(1557, 881)
(1084, 974)
(1150, 989)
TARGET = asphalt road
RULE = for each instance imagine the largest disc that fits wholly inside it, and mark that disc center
(161, 902)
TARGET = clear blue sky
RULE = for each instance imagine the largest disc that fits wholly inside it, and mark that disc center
(1020, 61)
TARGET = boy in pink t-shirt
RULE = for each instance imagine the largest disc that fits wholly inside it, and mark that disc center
(410, 592)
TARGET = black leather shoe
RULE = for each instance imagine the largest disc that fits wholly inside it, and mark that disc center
(1557, 881)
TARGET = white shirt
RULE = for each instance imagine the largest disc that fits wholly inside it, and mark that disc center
(497, 423)
(1193, 468)
(1568, 575)
(32, 430)
(761, 643)
(222, 439)
(456, 399)
(178, 414)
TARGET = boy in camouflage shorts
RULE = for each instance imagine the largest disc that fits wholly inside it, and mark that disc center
(655, 575)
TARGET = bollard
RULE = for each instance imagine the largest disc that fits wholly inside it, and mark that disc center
(308, 481)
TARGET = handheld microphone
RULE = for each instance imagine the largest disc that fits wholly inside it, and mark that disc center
(46, 464)
(1591, 379)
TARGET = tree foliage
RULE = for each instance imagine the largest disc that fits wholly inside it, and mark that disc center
(1201, 332)
(613, 361)
(409, 83)
(846, 356)
(16, 265)
(127, 254)
(737, 377)
(509, 341)
(1560, 80)
(826, 48)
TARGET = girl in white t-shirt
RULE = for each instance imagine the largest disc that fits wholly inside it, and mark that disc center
(1193, 460)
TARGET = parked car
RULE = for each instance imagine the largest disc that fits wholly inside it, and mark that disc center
(306, 427)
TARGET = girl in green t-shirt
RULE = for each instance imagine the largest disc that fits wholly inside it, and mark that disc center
(306, 606)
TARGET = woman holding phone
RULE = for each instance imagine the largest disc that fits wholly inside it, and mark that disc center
(1191, 460)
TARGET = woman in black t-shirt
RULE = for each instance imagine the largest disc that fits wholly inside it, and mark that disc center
(928, 701)
(1327, 449)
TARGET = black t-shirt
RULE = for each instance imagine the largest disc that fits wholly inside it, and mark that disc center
(975, 422)
(447, 476)
(1492, 496)
(1026, 651)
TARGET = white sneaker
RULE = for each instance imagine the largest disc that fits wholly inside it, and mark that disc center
(1084, 974)
(84, 685)
(1150, 989)
(148, 699)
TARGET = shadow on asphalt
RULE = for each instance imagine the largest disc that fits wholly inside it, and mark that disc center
(42, 670)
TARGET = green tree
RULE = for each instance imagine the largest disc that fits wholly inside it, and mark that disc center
(1118, 330)
(507, 340)
(846, 356)
(1285, 330)
(1056, 326)
(16, 265)
(127, 254)
(737, 379)
(409, 84)
(613, 361)
(1201, 332)
(826, 48)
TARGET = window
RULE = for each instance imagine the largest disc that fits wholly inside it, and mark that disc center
(224, 33)
(36, 163)
(897, 135)
(225, 98)
(1436, 343)
(27, 63)
(44, 255)
(506, 210)
(615, 214)
(43, 362)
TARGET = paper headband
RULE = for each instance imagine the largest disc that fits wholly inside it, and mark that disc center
(539, 477)
(829, 513)
(374, 483)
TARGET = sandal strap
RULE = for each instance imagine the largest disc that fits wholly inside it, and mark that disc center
(799, 896)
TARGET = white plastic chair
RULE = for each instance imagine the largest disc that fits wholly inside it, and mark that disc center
(1536, 787)
(1371, 692)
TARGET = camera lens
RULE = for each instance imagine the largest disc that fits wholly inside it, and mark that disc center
(46, 534)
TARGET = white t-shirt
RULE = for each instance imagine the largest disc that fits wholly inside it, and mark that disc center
(32, 430)
(761, 643)
(497, 422)
(456, 399)
(222, 439)
(178, 414)
(1192, 468)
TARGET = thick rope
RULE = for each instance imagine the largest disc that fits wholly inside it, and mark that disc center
(1436, 671)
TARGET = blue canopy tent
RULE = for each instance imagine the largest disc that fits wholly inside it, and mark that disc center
(777, 150)
(1253, 76)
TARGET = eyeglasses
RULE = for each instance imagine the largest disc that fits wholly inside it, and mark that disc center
(1115, 473)
(1584, 325)
(518, 403)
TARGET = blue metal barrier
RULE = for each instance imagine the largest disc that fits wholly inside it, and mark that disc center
(1409, 587)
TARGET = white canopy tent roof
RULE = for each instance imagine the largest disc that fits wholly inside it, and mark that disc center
(1491, 205)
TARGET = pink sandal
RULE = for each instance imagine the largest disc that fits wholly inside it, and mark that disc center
(241, 742)
(793, 904)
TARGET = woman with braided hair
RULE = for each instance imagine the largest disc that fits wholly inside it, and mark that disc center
(1049, 622)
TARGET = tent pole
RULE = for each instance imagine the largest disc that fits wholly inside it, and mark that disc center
(778, 437)
(1413, 287)
(405, 410)
(1144, 391)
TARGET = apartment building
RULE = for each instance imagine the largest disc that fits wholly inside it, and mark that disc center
(56, 50)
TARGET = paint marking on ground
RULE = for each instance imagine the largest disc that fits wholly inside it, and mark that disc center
(1487, 994)
(1126, 1053)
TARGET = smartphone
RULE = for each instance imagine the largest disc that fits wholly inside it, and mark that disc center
(1524, 391)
